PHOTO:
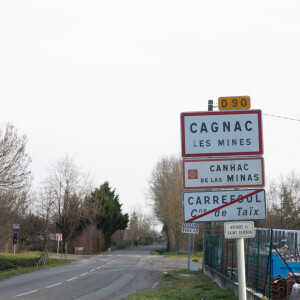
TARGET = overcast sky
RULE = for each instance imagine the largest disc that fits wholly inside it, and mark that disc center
(105, 81)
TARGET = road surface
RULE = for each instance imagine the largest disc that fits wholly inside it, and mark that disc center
(115, 275)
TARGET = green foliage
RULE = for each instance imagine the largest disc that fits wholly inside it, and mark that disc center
(14, 264)
(149, 240)
(103, 209)
(111, 218)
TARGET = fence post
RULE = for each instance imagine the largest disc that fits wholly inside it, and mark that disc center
(270, 262)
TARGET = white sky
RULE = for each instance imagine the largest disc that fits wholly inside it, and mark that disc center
(105, 81)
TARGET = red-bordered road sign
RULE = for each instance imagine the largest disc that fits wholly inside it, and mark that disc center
(221, 133)
(58, 236)
(224, 205)
(223, 173)
(190, 225)
(190, 228)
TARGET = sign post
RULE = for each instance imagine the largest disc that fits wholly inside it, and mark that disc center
(241, 269)
(16, 228)
(190, 228)
(58, 237)
(189, 253)
(15, 241)
(239, 231)
(222, 150)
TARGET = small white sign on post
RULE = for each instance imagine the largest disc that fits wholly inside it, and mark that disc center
(190, 228)
(236, 230)
(58, 236)
(16, 227)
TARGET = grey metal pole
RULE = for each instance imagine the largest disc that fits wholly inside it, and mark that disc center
(193, 243)
(189, 252)
(241, 269)
(207, 225)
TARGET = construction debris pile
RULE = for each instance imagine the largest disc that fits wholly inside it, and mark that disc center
(281, 288)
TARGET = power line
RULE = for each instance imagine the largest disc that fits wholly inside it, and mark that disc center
(282, 117)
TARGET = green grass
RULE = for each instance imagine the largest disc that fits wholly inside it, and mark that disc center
(181, 285)
(14, 264)
(163, 251)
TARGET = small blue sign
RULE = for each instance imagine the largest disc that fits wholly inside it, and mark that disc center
(15, 239)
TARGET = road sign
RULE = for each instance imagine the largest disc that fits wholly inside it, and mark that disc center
(58, 236)
(237, 230)
(223, 173)
(224, 205)
(226, 103)
(15, 238)
(190, 228)
(16, 227)
(225, 133)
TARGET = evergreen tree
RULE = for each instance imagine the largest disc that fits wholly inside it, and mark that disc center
(108, 217)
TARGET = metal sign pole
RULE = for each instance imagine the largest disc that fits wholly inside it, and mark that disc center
(189, 252)
(207, 225)
(241, 269)
(193, 243)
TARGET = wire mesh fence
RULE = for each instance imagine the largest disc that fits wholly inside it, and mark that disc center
(270, 269)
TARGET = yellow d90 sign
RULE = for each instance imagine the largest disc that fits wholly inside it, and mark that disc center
(226, 103)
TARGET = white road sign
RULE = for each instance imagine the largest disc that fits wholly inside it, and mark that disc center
(190, 228)
(16, 227)
(223, 173)
(237, 230)
(224, 133)
(58, 236)
(224, 205)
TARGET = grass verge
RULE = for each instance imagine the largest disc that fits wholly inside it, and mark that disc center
(163, 251)
(180, 284)
(15, 264)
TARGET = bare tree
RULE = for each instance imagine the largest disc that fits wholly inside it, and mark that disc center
(15, 180)
(283, 203)
(140, 225)
(45, 208)
(14, 161)
(165, 190)
(67, 187)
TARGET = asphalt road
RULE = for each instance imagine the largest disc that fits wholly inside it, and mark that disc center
(110, 276)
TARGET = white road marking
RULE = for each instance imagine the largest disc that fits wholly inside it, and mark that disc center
(83, 274)
(72, 278)
(26, 293)
(93, 270)
(50, 286)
